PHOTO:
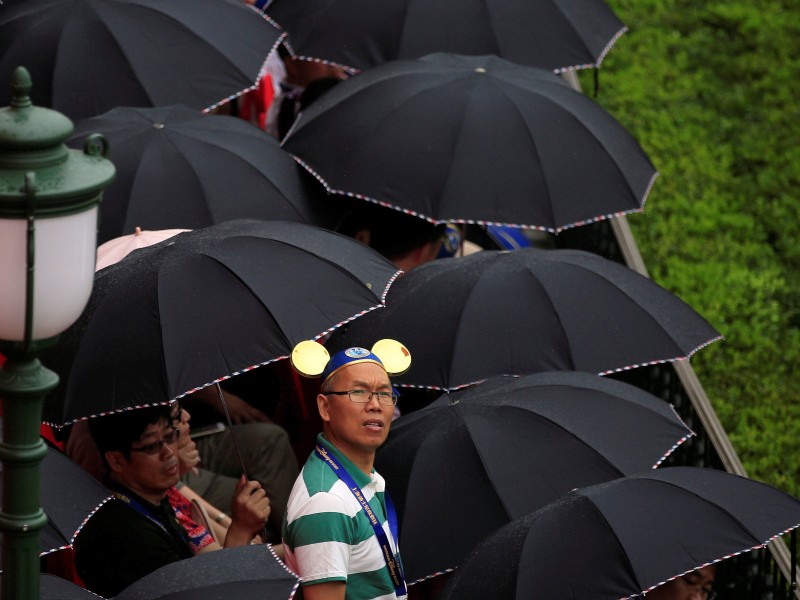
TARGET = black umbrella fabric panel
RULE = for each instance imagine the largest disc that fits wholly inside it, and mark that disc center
(358, 34)
(178, 168)
(69, 496)
(89, 56)
(473, 139)
(57, 588)
(468, 318)
(205, 305)
(509, 446)
(244, 573)
(623, 538)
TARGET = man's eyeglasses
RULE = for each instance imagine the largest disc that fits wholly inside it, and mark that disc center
(155, 447)
(364, 396)
(706, 593)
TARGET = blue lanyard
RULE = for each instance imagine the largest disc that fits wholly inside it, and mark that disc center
(392, 560)
(135, 505)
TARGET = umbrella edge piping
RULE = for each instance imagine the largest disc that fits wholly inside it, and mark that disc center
(384, 203)
(86, 519)
(284, 357)
(261, 71)
(713, 562)
(432, 575)
(663, 360)
(674, 447)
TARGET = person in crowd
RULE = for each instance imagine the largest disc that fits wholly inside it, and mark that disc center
(137, 531)
(295, 103)
(215, 466)
(285, 81)
(340, 530)
(265, 447)
(405, 240)
(206, 525)
(696, 585)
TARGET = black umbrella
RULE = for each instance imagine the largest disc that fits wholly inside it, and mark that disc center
(57, 588)
(625, 537)
(178, 168)
(206, 305)
(243, 573)
(508, 447)
(512, 313)
(550, 34)
(473, 139)
(89, 56)
(68, 496)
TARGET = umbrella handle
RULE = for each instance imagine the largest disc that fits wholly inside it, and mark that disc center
(235, 442)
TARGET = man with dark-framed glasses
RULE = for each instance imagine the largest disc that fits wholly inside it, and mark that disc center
(137, 532)
(340, 529)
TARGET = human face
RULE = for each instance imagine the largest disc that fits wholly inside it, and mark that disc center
(149, 475)
(696, 585)
(357, 430)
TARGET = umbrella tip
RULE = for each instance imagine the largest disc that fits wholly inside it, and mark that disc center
(480, 70)
(137, 231)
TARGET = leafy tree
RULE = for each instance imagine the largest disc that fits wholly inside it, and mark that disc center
(708, 89)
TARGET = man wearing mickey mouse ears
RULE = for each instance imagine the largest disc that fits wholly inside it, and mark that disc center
(340, 528)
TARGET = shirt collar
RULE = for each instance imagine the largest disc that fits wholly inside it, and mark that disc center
(361, 478)
(115, 486)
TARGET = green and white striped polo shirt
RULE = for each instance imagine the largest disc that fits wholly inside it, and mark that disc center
(327, 536)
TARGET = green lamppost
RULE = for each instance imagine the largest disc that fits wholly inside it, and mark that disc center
(49, 197)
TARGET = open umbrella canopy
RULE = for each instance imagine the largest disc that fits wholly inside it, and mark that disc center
(510, 446)
(625, 537)
(205, 305)
(178, 168)
(114, 250)
(89, 56)
(550, 34)
(57, 588)
(468, 318)
(472, 139)
(243, 573)
(69, 496)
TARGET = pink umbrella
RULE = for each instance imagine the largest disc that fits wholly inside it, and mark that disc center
(115, 250)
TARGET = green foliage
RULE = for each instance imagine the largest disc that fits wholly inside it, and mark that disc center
(708, 88)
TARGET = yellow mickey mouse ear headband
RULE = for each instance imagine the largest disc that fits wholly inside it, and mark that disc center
(395, 356)
(311, 359)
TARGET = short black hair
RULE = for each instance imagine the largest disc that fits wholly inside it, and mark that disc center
(292, 105)
(392, 232)
(120, 430)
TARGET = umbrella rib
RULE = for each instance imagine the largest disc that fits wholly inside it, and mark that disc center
(122, 52)
(287, 342)
(229, 151)
(583, 42)
(555, 228)
(478, 453)
(261, 71)
(602, 516)
(553, 306)
(621, 289)
(735, 520)
(567, 109)
(554, 424)
(349, 274)
(89, 516)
